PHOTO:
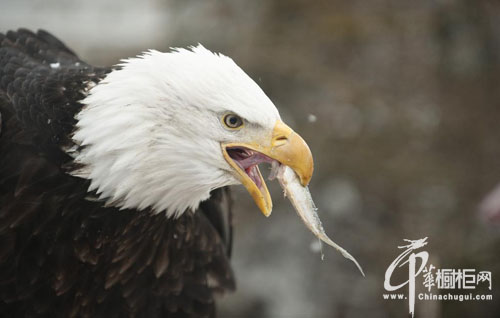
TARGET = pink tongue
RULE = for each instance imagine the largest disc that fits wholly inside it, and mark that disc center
(254, 175)
(254, 160)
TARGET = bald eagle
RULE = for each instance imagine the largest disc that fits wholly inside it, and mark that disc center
(113, 181)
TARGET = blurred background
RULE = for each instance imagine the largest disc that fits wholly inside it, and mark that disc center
(399, 102)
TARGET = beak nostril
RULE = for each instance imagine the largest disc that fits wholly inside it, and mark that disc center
(280, 141)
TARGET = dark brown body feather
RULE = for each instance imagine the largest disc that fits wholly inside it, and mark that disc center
(62, 255)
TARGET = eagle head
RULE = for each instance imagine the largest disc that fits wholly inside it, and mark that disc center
(164, 129)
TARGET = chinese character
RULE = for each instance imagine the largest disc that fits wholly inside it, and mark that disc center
(484, 276)
(447, 278)
(429, 277)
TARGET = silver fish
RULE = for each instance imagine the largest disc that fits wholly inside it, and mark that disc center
(304, 205)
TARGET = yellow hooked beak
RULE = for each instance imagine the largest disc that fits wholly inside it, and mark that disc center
(284, 146)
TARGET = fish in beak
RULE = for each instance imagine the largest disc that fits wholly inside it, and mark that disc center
(284, 147)
(292, 164)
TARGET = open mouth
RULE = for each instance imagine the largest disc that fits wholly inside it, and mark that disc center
(283, 148)
(245, 163)
(248, 161)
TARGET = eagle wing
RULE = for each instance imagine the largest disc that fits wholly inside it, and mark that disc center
(63, 255)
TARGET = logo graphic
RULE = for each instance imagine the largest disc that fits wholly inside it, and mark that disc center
(441, 279)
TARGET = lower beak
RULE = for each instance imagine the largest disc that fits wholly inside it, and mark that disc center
(284, 146)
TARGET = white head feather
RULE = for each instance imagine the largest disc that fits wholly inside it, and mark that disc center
(151, 130)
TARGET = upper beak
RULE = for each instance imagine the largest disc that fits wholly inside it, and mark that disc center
(284, 146)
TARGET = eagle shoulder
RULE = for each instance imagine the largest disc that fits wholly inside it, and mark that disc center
(42, 83)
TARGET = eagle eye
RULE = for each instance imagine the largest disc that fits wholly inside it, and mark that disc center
(232, 121)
